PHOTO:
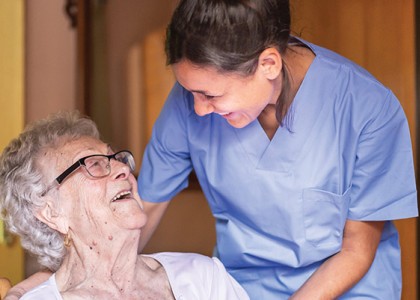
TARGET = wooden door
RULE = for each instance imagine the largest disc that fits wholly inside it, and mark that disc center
(379, 35)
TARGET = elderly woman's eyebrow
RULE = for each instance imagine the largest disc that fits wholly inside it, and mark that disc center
(82, 152)
(110, 149)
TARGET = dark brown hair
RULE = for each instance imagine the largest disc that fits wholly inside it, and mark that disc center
(229, 35)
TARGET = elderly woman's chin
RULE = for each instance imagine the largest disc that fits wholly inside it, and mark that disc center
(129, 213)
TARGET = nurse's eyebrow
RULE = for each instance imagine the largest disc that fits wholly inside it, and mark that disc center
(204, 93)
(199, 91)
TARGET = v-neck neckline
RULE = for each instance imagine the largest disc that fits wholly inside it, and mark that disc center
(279, 153)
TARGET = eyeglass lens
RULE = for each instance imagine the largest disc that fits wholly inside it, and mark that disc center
(126, 158)
(99, 165)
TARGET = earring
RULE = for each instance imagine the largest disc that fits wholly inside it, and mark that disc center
(67, 240)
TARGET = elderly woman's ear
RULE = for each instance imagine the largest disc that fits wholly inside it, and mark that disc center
(50, 216)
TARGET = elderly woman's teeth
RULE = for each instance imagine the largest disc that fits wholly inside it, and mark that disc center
(121, 195)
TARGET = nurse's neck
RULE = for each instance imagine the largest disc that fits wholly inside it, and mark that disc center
(268, 120)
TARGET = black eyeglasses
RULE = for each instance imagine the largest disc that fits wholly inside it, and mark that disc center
(97, 166)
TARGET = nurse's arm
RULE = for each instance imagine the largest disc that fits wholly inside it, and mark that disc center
(343, 270)
(22, 287)
(154, 212)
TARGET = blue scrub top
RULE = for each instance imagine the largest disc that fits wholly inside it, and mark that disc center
(281, 205)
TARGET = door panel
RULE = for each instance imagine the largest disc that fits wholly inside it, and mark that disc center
(379, 35)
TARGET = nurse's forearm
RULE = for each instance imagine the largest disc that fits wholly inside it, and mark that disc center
(154, 212)
(22, 287)
(343, 270)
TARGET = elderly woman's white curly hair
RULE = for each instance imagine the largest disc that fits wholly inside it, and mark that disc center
(22, 182)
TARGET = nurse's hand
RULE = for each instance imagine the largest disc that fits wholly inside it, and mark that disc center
(342, 271)
(5, 285)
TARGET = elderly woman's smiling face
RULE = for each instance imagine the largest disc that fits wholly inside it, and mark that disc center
(92, 205)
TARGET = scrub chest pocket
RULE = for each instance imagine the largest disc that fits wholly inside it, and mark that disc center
(325, 214)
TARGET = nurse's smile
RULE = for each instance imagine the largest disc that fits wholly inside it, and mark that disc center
(238, 99)
(226, 115)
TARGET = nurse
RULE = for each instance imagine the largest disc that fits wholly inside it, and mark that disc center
(305, 158)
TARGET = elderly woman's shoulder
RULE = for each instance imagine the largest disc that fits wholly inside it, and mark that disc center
(196, 276)
(178, 259)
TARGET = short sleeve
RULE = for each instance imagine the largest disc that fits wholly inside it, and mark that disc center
(383, 184)
(223, 284)
(166, 162)
(195, 276)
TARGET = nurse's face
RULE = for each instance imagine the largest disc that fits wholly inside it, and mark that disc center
(236, 98)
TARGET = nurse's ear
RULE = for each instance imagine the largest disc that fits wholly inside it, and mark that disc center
(270, 63)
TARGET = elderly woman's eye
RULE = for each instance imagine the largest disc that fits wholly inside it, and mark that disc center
(94, 163)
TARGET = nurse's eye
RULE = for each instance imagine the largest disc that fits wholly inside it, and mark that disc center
(208, 97)
(202, 96)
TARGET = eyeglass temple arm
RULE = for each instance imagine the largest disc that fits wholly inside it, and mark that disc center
(52, 186)
(67, 172)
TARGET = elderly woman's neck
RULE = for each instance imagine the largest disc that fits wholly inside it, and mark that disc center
(111, 260)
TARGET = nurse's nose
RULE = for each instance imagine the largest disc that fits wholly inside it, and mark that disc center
(202, 107)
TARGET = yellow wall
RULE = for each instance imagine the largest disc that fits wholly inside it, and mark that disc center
(11, 108)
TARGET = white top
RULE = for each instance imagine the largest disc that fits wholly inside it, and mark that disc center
(191, 276)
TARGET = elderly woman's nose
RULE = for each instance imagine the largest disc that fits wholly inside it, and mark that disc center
(119, 169)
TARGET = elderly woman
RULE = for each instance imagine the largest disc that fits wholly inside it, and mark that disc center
(74, 203)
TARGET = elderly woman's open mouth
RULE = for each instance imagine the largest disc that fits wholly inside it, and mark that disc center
(122, 196)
